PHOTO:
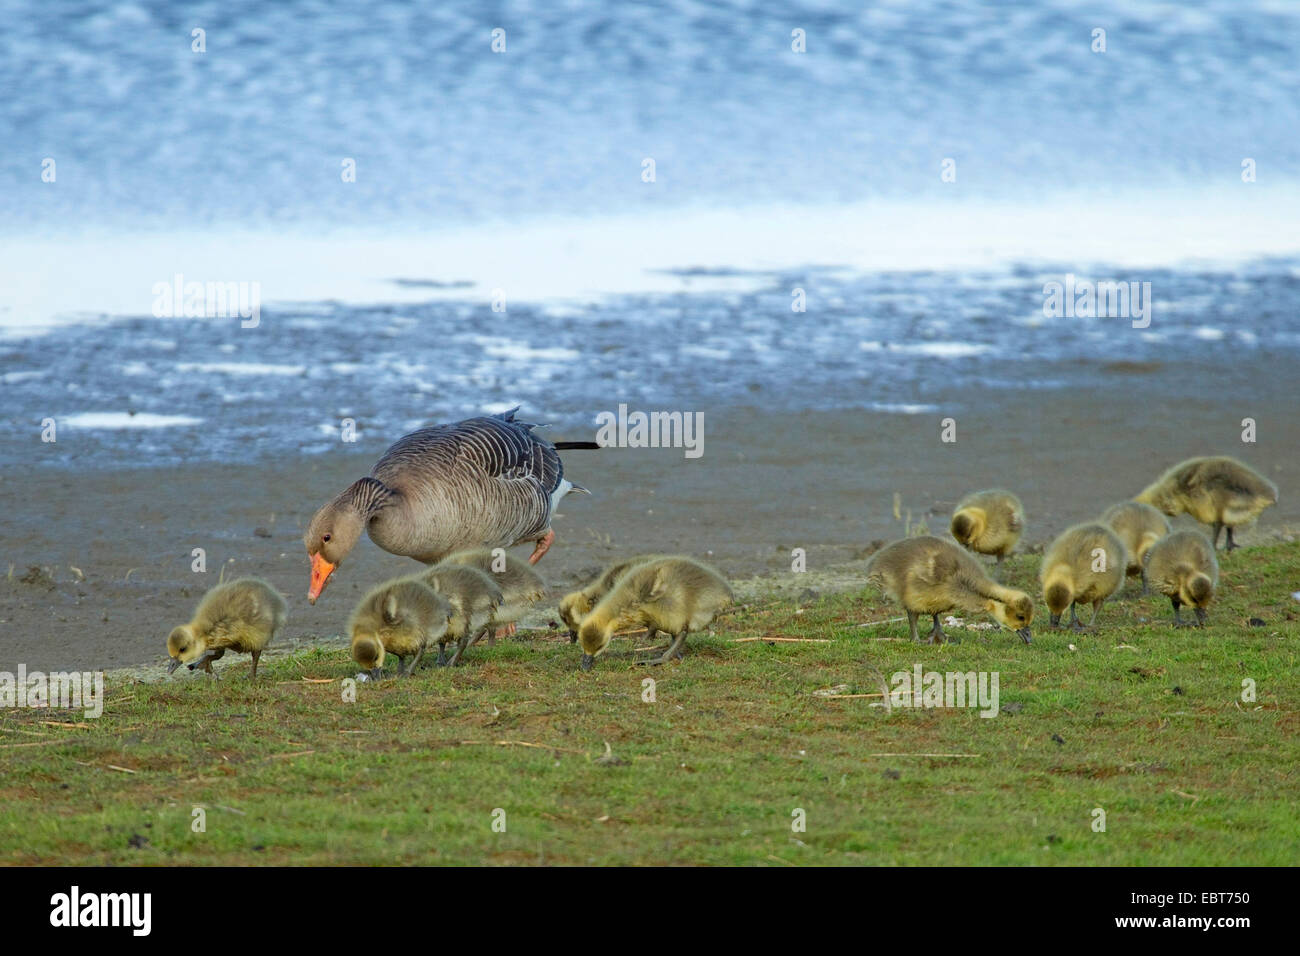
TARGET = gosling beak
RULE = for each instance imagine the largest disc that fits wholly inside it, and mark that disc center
(172, 664)
(1026, 635)
(320, 575)
(587, 661)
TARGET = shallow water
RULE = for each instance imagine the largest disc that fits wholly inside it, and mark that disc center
(522, 171)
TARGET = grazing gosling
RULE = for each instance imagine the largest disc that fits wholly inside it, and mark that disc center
(474, 598)
(577, 605)
(521, 586)
(675, 595)
(989, 522)
(1220, 492)
(242, 615)
(400, 618)
(929, 575)
(1183, 567)
(1139, 526)
(1085, 565)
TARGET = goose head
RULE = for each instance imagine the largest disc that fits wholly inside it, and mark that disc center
(332, 534)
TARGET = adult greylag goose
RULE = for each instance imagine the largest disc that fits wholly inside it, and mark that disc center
(482, 482)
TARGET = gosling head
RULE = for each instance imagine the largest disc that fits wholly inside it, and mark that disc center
(1058, 597)
(333, 532)
(594, 639)
(1161, 497)
(1015, 614)
(967, 525)
(573, 609)
(1196, 590)
(367, 650)
(183, 647)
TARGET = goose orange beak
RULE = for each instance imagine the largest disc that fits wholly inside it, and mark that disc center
(320, 575)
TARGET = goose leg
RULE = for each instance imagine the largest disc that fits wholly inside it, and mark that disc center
(1231, 545)
(543, 545)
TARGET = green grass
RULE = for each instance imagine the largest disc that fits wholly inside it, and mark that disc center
(1153, 732)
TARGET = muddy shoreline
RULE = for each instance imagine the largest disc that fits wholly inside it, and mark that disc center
(97, 564)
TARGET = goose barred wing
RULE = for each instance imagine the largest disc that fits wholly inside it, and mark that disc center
(494, 446)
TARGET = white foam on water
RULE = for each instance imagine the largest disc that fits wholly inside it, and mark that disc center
(120, 420)
(564, 262)
(240, 368)
(902, 408)
(13, 378)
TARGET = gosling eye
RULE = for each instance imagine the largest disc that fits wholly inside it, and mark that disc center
(325, 538)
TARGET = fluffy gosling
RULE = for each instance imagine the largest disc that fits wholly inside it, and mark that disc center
(474, 598)
(1139, 526)
(521, 586)
(1182, 566)
(928, 575)
(1085, 565)
(399, 618)
(675, 595)
(989, 522)
(242, 615)
(577, 605)
(1221, 492)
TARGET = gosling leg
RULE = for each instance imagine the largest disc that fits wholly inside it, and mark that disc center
(676, 650)
(1096, 606)
(415, 660)
(1075, 623)
(911, 624)
(1178, 618)
(1231, 545)
(1218, 526)
(256, 656)
(442, 654)
(1200, 616)
(937, 636)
